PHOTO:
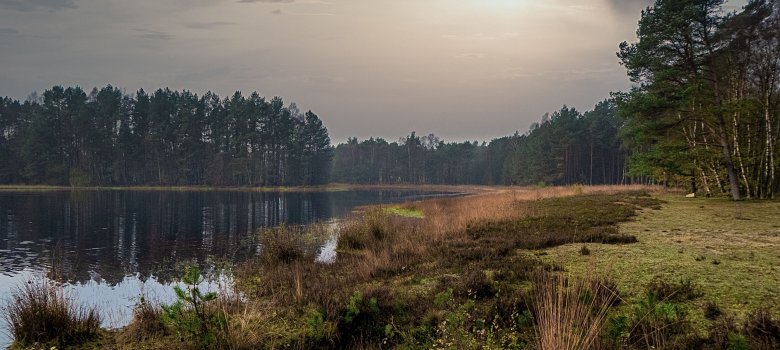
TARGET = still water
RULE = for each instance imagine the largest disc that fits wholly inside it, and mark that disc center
(113, 246)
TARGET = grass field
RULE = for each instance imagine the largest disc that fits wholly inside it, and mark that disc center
(730, 250)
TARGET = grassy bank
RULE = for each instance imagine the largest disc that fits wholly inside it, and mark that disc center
(555, 268)
(729, 250)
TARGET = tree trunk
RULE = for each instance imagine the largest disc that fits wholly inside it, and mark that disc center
(729, 162)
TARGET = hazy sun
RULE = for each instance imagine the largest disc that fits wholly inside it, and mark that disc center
(501, 5)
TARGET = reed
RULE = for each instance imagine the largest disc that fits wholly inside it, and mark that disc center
(40, 312)
(570, 312)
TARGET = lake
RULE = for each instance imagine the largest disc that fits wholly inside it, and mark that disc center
(113, 246)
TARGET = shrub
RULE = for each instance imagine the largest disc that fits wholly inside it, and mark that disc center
(763, 330)
(189, 314)
(678, 291)
(147, 320)
(657, 324)
(474, 284)
(368, 232)
(39, 312)
(284, 245)
(585, 250)
(711, 310)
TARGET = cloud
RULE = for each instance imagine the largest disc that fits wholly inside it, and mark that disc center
(208, 25)
(34, 5)
(267, 1)
(280, 12)
(8, 31)
(482, 36)
(471, 55)
(152, 34)
(628, 7)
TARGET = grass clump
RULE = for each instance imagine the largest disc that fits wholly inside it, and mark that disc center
(147, 321)
(570, 312)
(368, 232)
(406, 211)
(762, 330)
(285, 245)
(40, 313)
(679, 291)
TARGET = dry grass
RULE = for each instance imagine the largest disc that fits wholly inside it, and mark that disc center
(147, 322)
(570, 312)
(446, 217)
(391, 269)
(40, 313)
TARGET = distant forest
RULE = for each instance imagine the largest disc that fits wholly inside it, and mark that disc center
(564, 148)
(69, 137)
(704, 113)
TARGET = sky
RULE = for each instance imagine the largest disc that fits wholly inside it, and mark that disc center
(461, 69)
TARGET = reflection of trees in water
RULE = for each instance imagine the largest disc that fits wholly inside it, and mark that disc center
(111, 234)
(107, 235)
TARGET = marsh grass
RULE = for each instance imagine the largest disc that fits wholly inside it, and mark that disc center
(41, 313)
(147, 321)
(570, 312)
(287, 244)
(419, 282)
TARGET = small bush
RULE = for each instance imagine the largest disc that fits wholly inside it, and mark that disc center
(711, 310)
(584, 250)
(368, 232)
(190, 316)
(763, 330)
(657, 324)
(39, 312)
(475, 285)
(284, 245)
(147, 320)
(679, 291)
(723, 334)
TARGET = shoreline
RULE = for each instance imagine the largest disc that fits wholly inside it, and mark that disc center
(334, 187)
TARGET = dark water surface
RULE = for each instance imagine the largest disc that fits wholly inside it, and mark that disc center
(113, 246)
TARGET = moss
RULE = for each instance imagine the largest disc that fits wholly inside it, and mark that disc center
(681, 240)
(407, 212)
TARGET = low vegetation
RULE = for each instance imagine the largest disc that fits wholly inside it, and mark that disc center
(501, 270)
(39, 314)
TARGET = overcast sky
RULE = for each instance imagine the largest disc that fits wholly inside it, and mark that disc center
(462, 69)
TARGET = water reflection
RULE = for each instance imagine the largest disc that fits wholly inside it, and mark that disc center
(113, 234)
(111, 246)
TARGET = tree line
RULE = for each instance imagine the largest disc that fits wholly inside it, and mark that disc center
(704, 112)
(564, 148)
(106, 137)
(705, 106)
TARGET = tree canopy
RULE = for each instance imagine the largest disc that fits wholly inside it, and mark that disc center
(106, 137)
(705, 103)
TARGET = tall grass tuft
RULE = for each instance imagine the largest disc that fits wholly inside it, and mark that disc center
(371, 231)
(570, 313)
(40, 312)
(285, 245)
(147, 320)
